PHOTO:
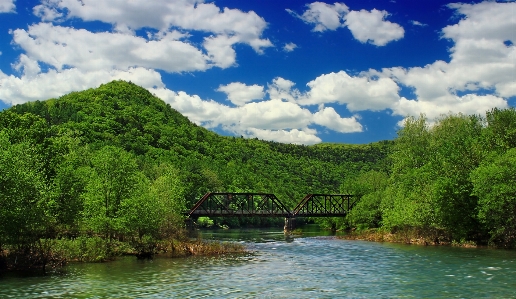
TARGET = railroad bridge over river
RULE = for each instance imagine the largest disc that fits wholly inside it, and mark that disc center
(219, 204)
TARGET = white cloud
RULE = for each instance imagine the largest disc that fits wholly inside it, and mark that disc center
(366, 26)
(46, 12)
(480, 62)
(370, 26)
(220, 50)
(282, 89)
(323, 16)
(63, 47)
(53, 84)
(127, 16)
(417, 23)
(7, 6)
(272, 119)
(329, 118)
(271, 115)
(269, 119)
(468, 104)
(67, 50)
(239, 93)
(294, 136)
(289, 47)
(358, 93)
(200, 111)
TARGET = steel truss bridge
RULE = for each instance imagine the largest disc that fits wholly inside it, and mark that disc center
(219, 204)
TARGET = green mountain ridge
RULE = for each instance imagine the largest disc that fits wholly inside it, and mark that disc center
(125, 115)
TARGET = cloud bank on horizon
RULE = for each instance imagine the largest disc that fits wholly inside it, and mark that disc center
(73, 45)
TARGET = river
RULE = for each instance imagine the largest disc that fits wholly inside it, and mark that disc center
(314, 265)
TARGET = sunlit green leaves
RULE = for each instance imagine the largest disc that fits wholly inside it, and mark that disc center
(23, 193)
(495, 185)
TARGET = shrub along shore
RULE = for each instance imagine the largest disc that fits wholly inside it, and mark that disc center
(411, 236)
(48, 254)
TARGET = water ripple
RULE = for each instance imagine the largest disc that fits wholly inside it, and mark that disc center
(312, 267)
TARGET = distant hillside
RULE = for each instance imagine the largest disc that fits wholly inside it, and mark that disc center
(130, 117)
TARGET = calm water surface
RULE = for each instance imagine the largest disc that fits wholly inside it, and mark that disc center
(309, 266)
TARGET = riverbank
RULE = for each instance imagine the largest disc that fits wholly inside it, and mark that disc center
(50, 254)
(410, 236)
(312, 265)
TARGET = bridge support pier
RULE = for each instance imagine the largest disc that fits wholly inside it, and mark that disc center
(289, 224)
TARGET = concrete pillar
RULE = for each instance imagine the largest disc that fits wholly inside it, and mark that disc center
(289, 225)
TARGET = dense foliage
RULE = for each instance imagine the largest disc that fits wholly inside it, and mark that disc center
(450, 181)
(117, 163)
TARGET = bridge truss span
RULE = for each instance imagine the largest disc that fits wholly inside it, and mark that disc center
(224, 204)
(218, 204)
(324, 205)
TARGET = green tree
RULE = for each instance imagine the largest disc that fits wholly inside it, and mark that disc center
(500, 132)
(454, 153)
(367, 188)
(113, 177)
(68, 186)
(495, 185)
(24, 198)
(407, 201)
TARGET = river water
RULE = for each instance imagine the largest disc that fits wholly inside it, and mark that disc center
(308, 266)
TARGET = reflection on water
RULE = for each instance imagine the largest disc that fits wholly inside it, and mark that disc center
(311, 266)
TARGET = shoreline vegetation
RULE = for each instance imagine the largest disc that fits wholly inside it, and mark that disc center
(412, 237)
(112, 170)
(51, 254)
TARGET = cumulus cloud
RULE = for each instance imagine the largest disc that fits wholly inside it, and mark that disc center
(243, 27)
(294, 136)
(480, 61)
(201, 112)
(32, 86)
(357, 92)
(72, 53)
(275, 119)
(323, 16)
(7, 6)
(329, 118)
(239, 93)
(283, 89)
(47, 13)
(270, 119)
(467, 104)
(56, 60)
(63, 47)
(366, 26)
(371, 26)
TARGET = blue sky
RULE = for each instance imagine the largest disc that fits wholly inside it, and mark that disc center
(290, 71)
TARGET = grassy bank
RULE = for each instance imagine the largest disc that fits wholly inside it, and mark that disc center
(54, 253)
(407, 236)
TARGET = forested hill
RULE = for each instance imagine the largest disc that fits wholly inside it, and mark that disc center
(128, 117)
(116, 160)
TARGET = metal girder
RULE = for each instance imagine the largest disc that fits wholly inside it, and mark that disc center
(324, 205)
(217, 204)
(220, 204)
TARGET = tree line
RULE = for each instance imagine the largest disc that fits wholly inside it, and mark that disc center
(453, 180)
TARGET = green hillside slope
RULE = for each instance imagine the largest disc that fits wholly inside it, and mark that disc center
(127, 116)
